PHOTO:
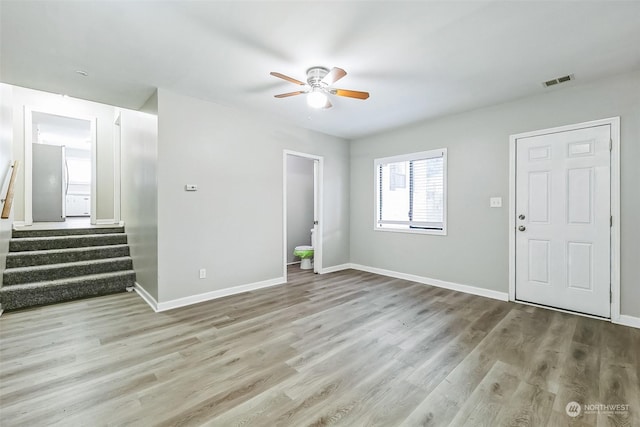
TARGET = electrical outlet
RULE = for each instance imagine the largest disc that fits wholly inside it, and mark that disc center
(495, 202)
(203, 273)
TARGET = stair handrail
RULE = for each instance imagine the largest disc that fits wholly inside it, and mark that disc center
(8, 200)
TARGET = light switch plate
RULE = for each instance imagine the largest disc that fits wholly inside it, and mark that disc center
(191, 187)
(495, 202)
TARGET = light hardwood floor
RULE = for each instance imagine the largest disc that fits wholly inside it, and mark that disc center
(348, 348)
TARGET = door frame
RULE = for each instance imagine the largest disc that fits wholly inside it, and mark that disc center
(28, 158)
(318, 208)
(117, 189)
(614, 170)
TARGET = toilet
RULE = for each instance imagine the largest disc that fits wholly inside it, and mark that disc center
(305, 253)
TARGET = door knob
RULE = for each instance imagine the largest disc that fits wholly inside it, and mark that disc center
(522, 228)
(520, 216)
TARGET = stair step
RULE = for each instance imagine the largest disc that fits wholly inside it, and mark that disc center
(39, 273)
(62, 242)
(53, 291)
(66, 231)
(58, 256)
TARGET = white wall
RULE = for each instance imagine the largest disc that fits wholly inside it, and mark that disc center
(299, 203)
(57, 104)
(139, 194)
(6, 159)
(232, 225)
(475, 251)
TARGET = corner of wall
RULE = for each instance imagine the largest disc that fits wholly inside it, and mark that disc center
(6, 159)
(151, 104)
(139, 208)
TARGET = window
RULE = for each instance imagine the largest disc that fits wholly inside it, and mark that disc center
(411, 192)
(79, 170)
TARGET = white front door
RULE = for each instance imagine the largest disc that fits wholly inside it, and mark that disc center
(563, 210)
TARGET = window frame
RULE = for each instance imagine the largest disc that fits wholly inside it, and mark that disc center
(441, 152)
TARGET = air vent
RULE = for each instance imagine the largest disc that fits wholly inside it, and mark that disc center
(559, 80)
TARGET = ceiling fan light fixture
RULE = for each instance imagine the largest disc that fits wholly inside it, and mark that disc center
(319, 86)
(317, 98)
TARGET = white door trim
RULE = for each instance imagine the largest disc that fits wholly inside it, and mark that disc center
(319, 182)
(28, 158)
(614, 122)
(117, 138)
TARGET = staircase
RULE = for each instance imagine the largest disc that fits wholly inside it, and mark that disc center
(50, 266)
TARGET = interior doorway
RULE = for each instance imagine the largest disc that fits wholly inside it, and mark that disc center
(563, 214)
(302, 206)
(60, 167)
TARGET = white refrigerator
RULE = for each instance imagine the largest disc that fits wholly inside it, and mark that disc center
(49, 183)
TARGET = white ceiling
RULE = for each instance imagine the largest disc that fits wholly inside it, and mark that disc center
(417, 59)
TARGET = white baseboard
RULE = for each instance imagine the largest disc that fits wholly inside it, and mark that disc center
(474, 290)
(207, 296)
(146, 296)
(106, 222)
(625, 320)
(335, 268)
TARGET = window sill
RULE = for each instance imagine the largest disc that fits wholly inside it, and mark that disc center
(414, 231)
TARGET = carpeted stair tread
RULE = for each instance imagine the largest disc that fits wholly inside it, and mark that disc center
(52, 291)
(69, 280)
(66, 231)
(61, 242)
(57, 256)
(47, 272)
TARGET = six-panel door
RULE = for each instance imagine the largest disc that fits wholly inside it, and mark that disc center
(563, 220)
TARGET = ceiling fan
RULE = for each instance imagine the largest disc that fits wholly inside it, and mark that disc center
(318, 86)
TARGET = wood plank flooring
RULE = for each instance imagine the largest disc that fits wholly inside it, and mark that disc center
(347, 348)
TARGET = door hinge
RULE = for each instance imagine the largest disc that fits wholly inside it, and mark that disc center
(610, 144)
(611, 221)
(610, 295)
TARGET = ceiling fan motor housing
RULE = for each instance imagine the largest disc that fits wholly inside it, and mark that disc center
(315, 76)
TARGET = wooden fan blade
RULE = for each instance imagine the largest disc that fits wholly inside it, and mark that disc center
(284, 95)
(287, 78)
(334, 75)
(350, 93)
